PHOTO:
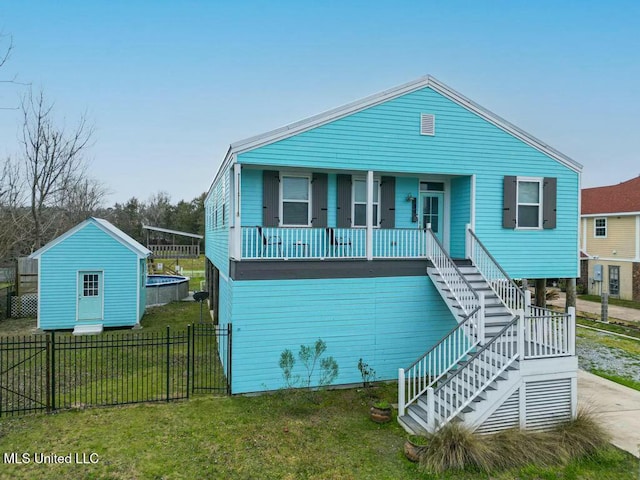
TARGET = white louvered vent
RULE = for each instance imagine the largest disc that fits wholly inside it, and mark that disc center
(506, 416)
(548, 403)
(427, 124)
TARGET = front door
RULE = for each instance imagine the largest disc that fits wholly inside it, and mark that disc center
(614, 280)
(90, 295)
(431, 211)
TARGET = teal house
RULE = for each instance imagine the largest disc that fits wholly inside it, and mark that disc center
(91, 277)
(395, 228)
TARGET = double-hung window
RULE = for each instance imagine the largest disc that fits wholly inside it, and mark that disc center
(296, 200)
(600, 228)
(529, 199)
(359, 213)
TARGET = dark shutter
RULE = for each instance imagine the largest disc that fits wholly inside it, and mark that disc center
(319, 200)
(388, 202)
(343, 184)
(270, 198)
(509, 202)
(549, 194)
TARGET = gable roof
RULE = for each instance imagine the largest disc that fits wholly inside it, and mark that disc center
(378, 98)
(106, 227)
(621, 198)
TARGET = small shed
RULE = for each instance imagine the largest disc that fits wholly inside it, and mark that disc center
(90, 277)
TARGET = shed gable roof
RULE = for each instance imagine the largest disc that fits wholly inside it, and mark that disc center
(621, 198)
(106, 227)
(424, 82)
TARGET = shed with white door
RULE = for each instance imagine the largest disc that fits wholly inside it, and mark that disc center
(90, 277)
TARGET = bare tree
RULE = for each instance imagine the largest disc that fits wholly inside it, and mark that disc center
(83, 199)
(52, 159)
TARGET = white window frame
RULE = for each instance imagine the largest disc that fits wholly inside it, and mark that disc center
(376, 223)
(595, 227)
(540, 181)
(282, 200)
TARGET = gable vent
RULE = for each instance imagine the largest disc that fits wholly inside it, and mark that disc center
(427, 124)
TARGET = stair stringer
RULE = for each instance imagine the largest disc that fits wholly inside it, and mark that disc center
(443, 290)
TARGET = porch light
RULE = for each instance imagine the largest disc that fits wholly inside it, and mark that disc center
(410, 198)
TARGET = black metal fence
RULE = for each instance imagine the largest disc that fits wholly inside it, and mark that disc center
(57, 371)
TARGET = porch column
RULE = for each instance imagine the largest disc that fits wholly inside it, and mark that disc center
(235, 228)
(370, 215)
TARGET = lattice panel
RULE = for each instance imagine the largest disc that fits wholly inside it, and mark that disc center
(24, 306)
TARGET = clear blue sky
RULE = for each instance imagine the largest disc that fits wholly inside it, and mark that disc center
(169, 84)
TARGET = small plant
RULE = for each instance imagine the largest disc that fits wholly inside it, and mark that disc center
(367, 373)
(382, 405)
(309, 356)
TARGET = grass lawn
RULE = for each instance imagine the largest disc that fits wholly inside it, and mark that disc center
(279, 436)
(612, 301)
(625, 329)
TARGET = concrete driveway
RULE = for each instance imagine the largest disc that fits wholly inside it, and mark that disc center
(616, 406)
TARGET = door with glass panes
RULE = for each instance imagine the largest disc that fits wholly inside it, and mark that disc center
(432, 207)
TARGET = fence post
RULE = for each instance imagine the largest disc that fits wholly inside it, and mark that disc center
(52, 376)
(168, 364)
(401, 386)
(527, 301)
(572, 330)
(189, 332)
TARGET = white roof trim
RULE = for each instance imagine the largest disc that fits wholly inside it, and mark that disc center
(176, 232)
(614, 214)
(427, 81)
(103, 225)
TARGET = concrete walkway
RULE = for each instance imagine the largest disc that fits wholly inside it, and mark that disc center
(621, 313)
(616, 406)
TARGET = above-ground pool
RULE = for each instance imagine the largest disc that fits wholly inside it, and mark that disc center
(163, 289)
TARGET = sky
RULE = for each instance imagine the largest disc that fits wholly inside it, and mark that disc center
(168, 85)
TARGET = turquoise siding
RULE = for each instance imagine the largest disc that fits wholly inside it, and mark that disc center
(460, 215)
(385, 138)
(217, 231)
(388, 322)
(404, 187)
(251, 188)
(89, 249)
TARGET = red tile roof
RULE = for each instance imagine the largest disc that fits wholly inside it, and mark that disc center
(623, 197)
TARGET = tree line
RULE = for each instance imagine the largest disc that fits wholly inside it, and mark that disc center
(46, 188)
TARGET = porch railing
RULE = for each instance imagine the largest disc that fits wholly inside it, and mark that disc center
(285, 243)
(548, 333)
(511, 294)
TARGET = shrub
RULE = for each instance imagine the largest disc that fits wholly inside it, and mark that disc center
(583, 436)
(309, 356)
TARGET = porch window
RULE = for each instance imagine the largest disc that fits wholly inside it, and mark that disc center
(600, 228)
(360, 203)
(529, 206)
(295, 204)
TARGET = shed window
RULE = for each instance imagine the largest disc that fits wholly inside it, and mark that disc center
(90, 285)
(600, 228)
(360, 203)
(529, 203)
(296, 200)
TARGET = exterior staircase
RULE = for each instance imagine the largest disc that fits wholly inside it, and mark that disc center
(481, 359)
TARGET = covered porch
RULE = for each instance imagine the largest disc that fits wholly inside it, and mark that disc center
(297, 214)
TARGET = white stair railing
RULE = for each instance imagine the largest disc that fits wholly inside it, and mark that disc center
(464, 294)
(436, 362)
(475, 375)
(511, 295)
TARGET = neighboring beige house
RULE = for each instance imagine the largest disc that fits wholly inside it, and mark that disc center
(610, 239)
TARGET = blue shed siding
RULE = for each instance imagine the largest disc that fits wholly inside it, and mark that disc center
(388, 322)
(460, 214)
(218, 212)
(142, 305)
(89, 249)
(385, 138)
